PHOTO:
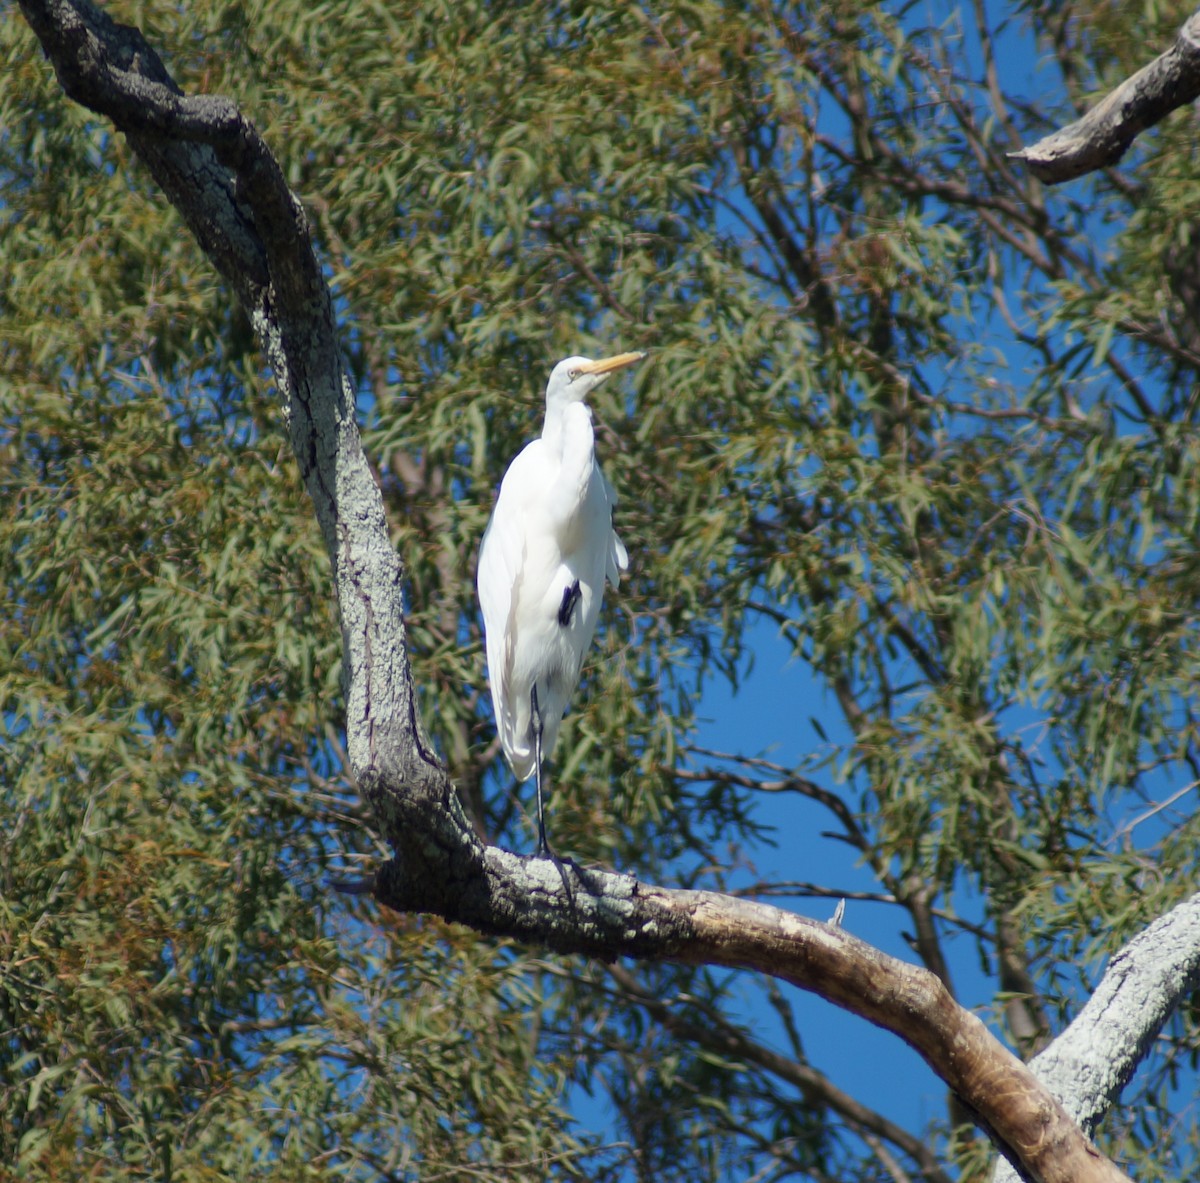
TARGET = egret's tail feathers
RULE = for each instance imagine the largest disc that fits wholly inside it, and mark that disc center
(522, 763)
(518, 751)
(618, 560)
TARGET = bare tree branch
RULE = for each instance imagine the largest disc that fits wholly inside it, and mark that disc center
(1102, 136)
(223, 180)
(1089, 1064)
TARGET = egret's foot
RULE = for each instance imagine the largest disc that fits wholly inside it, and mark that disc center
(544, 852)
(543, 847)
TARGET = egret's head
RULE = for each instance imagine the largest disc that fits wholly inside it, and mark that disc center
(571, 381)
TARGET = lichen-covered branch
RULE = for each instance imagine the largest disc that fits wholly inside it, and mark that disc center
(225, 183)
(1089, 1064)
(1102, 136)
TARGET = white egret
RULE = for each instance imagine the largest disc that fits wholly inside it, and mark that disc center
(545, 555)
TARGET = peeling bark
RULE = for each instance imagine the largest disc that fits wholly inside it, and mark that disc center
(220, 176)
(1104, 134)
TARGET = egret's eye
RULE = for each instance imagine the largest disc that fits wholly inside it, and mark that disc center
(572, 375)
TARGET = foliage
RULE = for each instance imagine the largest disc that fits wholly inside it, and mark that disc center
(934, 422)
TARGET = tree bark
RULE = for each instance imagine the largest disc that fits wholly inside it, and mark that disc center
(1104, 134)
(1089, 1064)
(220, 176)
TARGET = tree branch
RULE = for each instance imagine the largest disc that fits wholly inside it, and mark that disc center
(1102, 136)
(611, 915)
(223, 180)
(1089, 1064)
(220, 176)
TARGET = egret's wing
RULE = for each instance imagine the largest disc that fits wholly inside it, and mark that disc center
(501, 555)
(617, 559)
(495, 585)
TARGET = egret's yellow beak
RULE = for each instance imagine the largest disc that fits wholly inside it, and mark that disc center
(606, 365)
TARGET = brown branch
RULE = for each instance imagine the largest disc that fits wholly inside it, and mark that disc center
(575, 257)
(759, 184)
(1102, 136)
(216, 170)
(615, 915)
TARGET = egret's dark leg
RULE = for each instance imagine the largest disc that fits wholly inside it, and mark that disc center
(543, 847)
(571, 596)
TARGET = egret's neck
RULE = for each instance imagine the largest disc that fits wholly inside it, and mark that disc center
(552, 428)
(567, 432)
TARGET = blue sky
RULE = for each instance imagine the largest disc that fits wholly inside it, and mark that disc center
(768, 716)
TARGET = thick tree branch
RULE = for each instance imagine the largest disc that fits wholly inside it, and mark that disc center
(1089, 1064)
(609, 915)
(223, 180)
(218, 173)
(1102, 136)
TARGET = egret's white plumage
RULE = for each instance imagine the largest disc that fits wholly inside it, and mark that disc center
(545, 556)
